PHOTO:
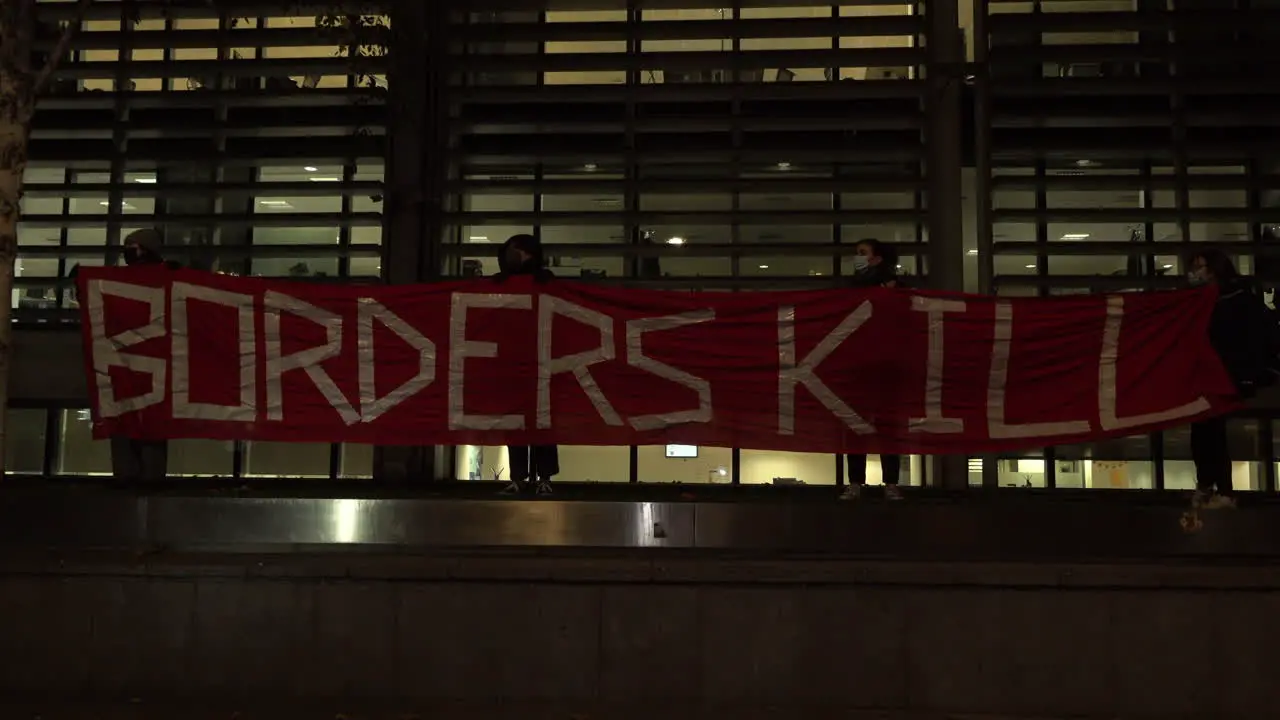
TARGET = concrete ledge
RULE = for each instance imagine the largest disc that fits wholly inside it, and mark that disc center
(1106, 529)
(359, 710)
(656, 568)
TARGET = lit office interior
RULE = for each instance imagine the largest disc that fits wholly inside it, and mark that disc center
(244, 153)
(696, 148)
(1101, 164)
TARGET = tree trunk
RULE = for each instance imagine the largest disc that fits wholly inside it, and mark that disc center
(15, 117)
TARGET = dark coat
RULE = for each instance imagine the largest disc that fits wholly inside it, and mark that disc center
(1243, 331)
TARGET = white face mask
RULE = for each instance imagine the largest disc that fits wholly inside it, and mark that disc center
(861, 263)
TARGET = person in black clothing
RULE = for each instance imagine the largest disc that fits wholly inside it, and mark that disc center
(141, 460)
(1243, 333)
(875, 265)
(531, 467)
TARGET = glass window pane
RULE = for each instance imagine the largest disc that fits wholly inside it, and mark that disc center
(709, 465)
(1117, 464)
(201, 458)
(477, 462)
(357, 461)
(766, 467)
(790, 266)
(1024, 472)
(79, 453)
(975, 471)
(296, 268)
(585, 463)
(1118, 474)
(295, 236)
(286, 460)
(25, 443)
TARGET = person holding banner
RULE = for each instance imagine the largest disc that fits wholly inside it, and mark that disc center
(532, 467)
(875, 265)
(141, 460)
(1243, 332)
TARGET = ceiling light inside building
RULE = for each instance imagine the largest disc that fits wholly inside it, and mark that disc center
(1076, 236)
(1167, 267)
(324, 179)
(311, 168)
(275, 203)
(590, 167)
(124, 206)
(784, 166)
(479, 238)
(1083, 163)
(675, 241)
(973, 252)
(145, 180)
(764, 267)
(1031, 267)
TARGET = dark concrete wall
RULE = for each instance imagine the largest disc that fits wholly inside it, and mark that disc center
(632, 633)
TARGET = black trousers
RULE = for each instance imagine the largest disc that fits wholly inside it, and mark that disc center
(139, 460)
(537, 462)
(891, 465)
(1210, 454)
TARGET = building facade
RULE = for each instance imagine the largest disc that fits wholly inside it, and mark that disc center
(1019, 148)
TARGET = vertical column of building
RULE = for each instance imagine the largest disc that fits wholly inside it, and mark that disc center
(944, 127)
(416, 193)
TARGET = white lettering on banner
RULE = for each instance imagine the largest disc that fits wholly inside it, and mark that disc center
(997, 428)
(1107, 380)
(933, 420)
(791, 373)
(107, 350)
(637, 359)
(309, 360)
(246, 356)
(579, 363)
(460, 349)
(371, 406)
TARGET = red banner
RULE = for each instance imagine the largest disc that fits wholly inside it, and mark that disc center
(177, 353)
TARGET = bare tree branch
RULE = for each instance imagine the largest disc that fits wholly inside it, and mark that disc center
(64, 43)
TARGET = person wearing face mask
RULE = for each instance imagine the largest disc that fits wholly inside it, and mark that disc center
(532, 467)
(141, 460)
(144, 247)
(1243, 333)
(875, 264)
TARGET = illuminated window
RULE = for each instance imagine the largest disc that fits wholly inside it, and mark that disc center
(771, 467)
(289, 460)
(696, 465)
(80, 454)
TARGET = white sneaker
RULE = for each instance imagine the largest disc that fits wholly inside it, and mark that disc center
(851, 492)
(1218, 501)
(892, 492)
